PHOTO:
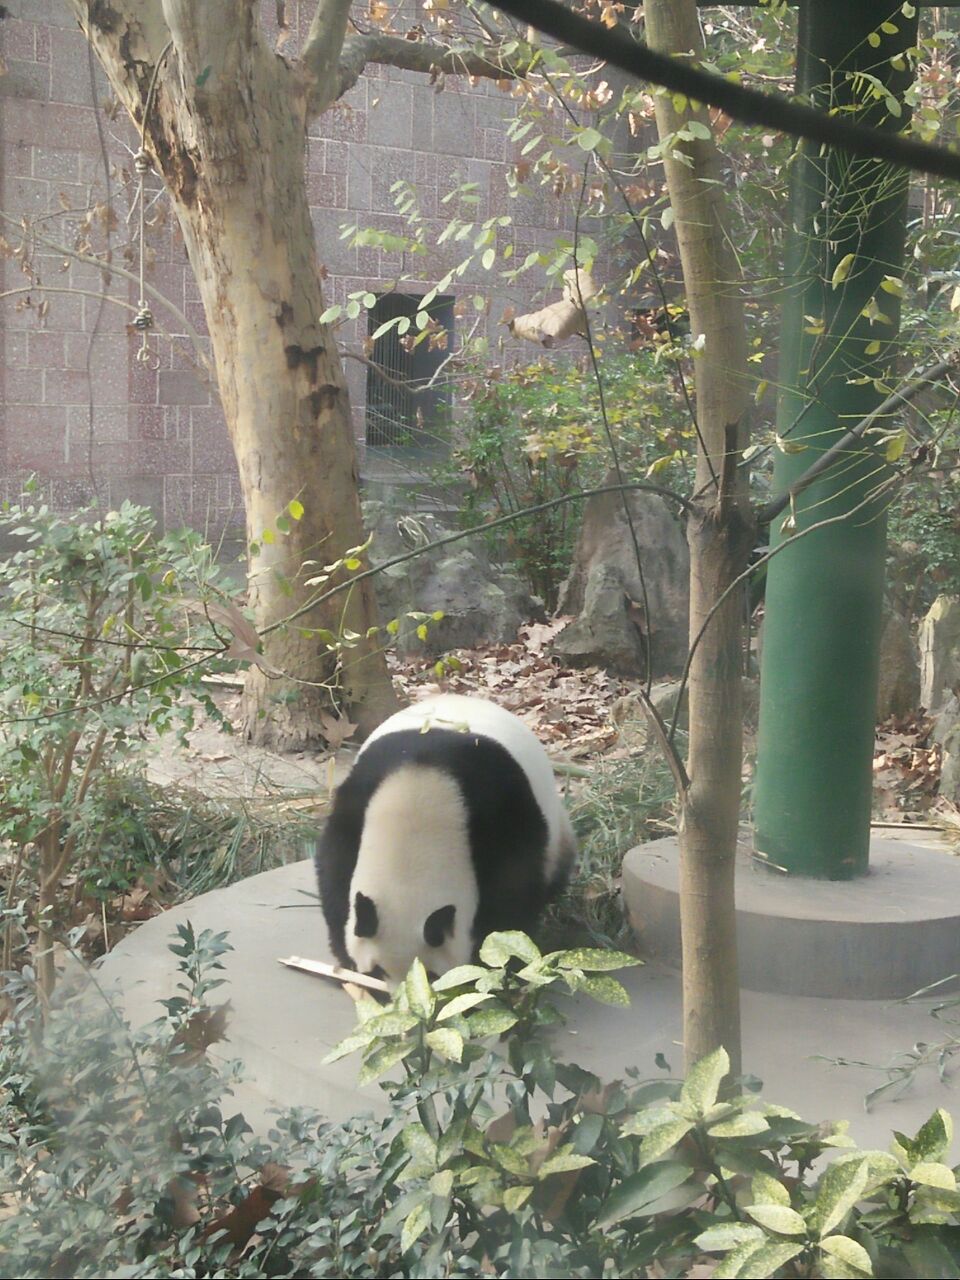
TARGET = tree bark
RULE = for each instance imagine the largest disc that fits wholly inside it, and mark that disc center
(719, 534)
(227, 130)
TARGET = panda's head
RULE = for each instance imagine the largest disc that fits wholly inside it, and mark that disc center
(384, 942)
(414, 891)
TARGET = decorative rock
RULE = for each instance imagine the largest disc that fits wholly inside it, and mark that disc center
(481, 603)
(898, 693)
(604, 588)
(946, 731)
(940, 652)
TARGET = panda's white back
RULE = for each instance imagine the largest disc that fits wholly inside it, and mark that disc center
(478, 715)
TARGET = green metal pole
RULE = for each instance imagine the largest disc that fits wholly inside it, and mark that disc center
(821, 632)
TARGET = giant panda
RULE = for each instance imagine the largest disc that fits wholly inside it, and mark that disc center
(447, 828)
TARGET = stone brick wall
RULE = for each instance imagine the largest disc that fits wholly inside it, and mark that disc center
(78, 408)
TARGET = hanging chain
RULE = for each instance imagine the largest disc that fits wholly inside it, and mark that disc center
(143, 320)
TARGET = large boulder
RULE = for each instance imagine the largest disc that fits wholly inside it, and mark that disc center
(482, 603)
(604, 590)
(946, 731)
(940, 652)
(898, 693)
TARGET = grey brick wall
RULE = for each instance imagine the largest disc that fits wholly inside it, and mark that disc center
(78, 408)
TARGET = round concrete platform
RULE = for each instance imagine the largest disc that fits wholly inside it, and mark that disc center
(283, 1022)
(883, 936)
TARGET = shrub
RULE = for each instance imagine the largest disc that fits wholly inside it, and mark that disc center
(494, 1159)
(103, 628)
(537, 432)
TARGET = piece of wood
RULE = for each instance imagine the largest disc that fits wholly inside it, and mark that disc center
(343, 976)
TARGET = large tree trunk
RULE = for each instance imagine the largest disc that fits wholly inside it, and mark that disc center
(720, 541)
(227, 129)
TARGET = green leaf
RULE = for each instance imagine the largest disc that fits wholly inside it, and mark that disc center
(498, 948)
(602, 987)
(767, 1190)
(928, 1256)
(391, 1023)
(488, 259)
(417, 987)
(331, 313)
(934, 1137)
(742, 1126)
(842, 270)
(933, 1174)
(460, 1004)
(702, 1084)
(359, 1040)
(458, 977)
(565, 1161)
(659, 1140)
(778, 1217)
(515, 1198)
(589, 139)
(637, 1195)
(840, 1188)
(750, 1261)
(441, 1184)
(417, 1221)
(593, 959)
(698, 129)
(491, 1022)
(296, 509)
(848, 1251)
(729, 1235)
(382, 1059)
(420, 1145)
(447, 1042)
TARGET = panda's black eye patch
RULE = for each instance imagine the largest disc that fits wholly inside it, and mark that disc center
(365, 923)
(438, 925)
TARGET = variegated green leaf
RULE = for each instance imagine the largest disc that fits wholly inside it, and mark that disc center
(848, 1251)
(702, 1084)
(778, 1217)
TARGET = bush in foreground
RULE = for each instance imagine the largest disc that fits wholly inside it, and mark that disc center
(119, 1158)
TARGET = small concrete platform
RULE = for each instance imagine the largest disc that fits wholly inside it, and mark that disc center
(882, 936)
(283, 1022)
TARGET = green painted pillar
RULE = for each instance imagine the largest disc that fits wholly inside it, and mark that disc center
(821, 632)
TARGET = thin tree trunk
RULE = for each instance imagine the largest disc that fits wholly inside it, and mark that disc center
(720, 541)
(227, 128)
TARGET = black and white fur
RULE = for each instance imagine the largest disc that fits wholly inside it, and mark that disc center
(448, 827)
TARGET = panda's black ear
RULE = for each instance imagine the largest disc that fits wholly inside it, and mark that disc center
(365, 923)
(438, 925)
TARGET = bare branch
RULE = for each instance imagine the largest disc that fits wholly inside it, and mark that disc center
(321, 54)
(903, 395)
(421, 55)
(620, 47)
(112, 269)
